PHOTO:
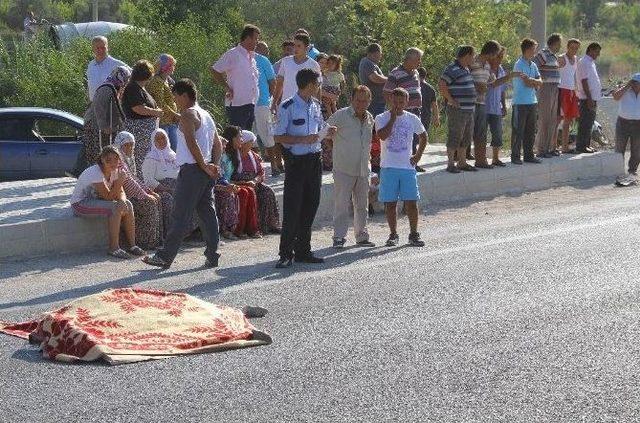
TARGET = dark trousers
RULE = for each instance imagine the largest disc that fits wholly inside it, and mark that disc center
(628, 132)
(242, 116)
(194, 192)
(524, 121)
(585, 125)
(302, 183)
(416, 138)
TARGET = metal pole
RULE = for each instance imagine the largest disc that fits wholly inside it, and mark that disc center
(539, 21)
(95, 11)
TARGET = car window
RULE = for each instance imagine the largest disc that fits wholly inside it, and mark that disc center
(16, 129)
(53, 129)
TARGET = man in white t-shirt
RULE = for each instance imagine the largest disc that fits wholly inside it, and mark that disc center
(101, 66)
(398, 179)
(286, 86)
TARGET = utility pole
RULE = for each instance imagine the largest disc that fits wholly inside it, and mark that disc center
(94, 11)
(539, 21)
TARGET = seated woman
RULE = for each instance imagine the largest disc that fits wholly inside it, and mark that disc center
(247, 223)
(227, 203)
(146, 203)
(247, 171)
(99, 192)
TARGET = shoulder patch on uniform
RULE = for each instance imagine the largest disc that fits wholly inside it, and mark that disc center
(287, 103)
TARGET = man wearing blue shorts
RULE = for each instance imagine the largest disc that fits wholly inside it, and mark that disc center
(398, 180)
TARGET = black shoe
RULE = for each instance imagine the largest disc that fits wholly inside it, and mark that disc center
(548, 155)
(284, 263)
(532, 160)
(393, 240)
(372, 211)
(156, 261)
(453, 169)
(587, 150)
(366, 243)
(339, 242)
(309, 259)
(468, 168)
(555, 153)
(541, 155)
(420, 169)
(498, 163)
(211, 263)
(483, 166)
(415, 241)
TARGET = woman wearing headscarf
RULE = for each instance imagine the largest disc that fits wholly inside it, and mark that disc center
(146, 203)
(105, 116)
(247, 171)
(160, 89)
(247, 224)
(141, 111)
(227, 201)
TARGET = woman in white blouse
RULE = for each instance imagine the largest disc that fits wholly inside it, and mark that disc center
(160, 172)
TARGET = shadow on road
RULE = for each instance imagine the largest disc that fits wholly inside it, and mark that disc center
(224, 277)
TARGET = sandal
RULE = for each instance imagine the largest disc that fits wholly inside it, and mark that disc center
(229, 235)
(119, 253)
(137, 251)
(154, 260)
(257, 235)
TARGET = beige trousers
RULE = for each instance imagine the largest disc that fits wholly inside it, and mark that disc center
(347, 191)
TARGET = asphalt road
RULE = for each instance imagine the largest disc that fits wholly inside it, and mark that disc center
(518, 309)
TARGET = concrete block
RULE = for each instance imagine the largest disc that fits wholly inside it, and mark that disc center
(447, 187)
(612, 164)
(536, 181)
(481, 184)
(509, 180)
(561, 177)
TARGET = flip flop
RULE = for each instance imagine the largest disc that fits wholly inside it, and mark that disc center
(137, 251)
(120, 253)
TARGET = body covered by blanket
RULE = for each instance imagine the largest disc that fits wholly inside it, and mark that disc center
(129, 325)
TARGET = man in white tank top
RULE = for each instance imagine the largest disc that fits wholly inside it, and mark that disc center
(568, 63)
(197, 139)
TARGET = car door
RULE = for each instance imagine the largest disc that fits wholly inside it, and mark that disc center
(59, 147)
(16, 143)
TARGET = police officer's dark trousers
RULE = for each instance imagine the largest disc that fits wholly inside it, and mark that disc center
(302, 184)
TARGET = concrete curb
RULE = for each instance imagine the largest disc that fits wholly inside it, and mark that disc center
(66, 233)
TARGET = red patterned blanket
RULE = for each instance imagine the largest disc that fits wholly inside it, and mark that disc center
(129, 325)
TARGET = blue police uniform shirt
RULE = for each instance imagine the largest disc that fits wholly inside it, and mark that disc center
(299, 118)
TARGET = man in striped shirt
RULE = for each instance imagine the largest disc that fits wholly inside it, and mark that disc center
(547, 62)
(457, 87)
(406, 76)
(483, 78)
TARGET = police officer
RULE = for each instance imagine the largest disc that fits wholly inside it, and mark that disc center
(299, 123)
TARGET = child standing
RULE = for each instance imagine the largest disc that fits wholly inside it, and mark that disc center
(332, 83)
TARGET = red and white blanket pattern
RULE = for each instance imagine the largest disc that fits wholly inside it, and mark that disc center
(129, 325)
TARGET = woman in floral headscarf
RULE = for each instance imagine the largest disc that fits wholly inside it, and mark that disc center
(160, 89)
(104, 117)
(146, 203)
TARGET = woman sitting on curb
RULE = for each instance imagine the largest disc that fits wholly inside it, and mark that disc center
(146, 203)
(247, 171)
(247, 201)
(98, 192)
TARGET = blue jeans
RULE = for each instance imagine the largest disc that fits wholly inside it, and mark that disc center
(172, 132)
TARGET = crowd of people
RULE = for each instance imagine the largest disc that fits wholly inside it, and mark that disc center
(156, 166)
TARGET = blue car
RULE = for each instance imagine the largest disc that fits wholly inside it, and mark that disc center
(37, 142)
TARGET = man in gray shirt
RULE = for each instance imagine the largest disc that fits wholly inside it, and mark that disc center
(371, 76)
